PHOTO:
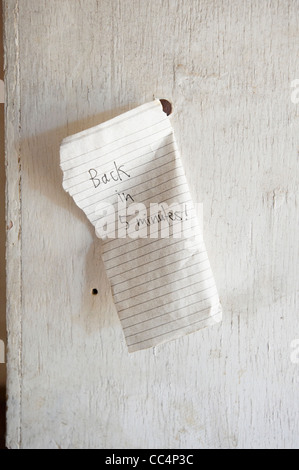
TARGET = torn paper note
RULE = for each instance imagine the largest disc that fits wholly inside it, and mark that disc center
(127, 176)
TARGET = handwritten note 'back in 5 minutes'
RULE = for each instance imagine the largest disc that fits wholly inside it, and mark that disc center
(126, 175)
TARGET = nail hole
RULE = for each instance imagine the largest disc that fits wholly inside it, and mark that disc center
(167, 106)
(95, 291)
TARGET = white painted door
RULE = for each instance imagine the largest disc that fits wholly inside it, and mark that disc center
(227, 67)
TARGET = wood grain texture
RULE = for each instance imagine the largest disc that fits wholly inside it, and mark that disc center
(227, 69)
(2, 219)
(13, 219)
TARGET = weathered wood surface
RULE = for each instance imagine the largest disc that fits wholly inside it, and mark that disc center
(227, 68)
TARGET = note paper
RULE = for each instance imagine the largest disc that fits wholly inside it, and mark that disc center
(127, 176)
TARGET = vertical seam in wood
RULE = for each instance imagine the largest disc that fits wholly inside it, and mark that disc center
(17, 32)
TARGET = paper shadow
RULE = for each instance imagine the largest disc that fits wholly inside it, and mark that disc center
(40, 155)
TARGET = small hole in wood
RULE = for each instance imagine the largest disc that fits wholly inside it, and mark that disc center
(167, 106)
(94, 291)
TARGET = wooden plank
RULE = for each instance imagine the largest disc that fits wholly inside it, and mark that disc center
(2, 247)
(13, 219)
(227, 68)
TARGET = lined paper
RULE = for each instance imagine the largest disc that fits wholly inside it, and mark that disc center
(127, 176)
